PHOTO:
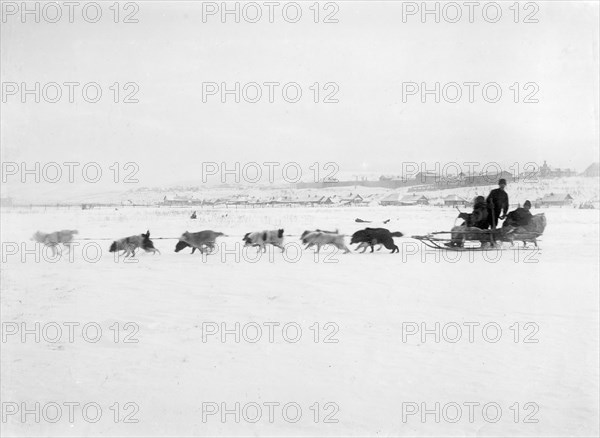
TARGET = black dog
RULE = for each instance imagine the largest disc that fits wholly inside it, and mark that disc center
(373, 236)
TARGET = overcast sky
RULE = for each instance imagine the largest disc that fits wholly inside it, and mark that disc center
(369, 54)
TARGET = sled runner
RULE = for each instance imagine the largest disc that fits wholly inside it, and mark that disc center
(481, 240)
(463, 238)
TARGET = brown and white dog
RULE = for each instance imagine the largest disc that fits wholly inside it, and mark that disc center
(64, 237)
(321, 238)
(131, 243)
(261, 238)
(306, 232)
(202, 240)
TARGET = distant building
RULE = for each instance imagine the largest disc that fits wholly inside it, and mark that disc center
(427, 177)
(176, 200)
(555, 200)
(547, 172)
(455, 201)
(352, 200)
(391, 199)
(398, 200)
(414, 200)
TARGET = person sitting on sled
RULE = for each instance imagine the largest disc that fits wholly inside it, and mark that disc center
(474, 222)
(479, 218)
(521, 217)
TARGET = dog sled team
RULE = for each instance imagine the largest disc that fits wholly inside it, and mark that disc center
(481, 225)
(205, 241)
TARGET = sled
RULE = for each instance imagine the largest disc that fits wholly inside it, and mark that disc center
(475, 239)
(482, 240)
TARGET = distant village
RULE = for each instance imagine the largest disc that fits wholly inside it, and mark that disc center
(424, 189)
(356, 200)
(550, 187)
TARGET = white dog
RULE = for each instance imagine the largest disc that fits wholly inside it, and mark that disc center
(321, 238)
(262, 238)
(64, 237)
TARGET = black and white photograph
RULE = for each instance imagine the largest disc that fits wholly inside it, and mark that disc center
(300, 218)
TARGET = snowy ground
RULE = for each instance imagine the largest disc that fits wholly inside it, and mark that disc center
(370, 377)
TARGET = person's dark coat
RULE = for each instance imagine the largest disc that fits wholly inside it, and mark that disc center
(521, 217)
(497, 202)
(480, 216)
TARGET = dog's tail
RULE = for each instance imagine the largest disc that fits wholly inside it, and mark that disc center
(397, 234)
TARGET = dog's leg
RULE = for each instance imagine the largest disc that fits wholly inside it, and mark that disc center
(210, 246)
(55, 249)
